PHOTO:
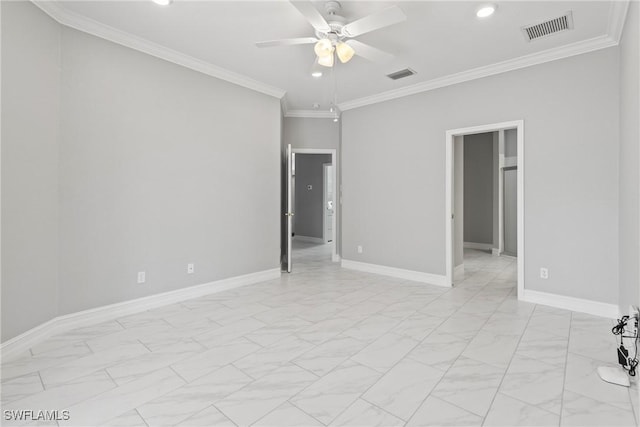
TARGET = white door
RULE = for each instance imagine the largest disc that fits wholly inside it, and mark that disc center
(328, 207)
(287, 223)
(511, 211)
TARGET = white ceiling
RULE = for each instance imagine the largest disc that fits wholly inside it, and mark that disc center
(437, 40)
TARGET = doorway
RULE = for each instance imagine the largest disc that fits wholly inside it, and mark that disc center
(311, 211)
(511, 209)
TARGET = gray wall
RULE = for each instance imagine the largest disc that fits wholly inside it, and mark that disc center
(303, 132)
(30, 126)
(136, 179)
(148, 152)
(478, 188)
(629, 160)
(394, 172)
(309, 207)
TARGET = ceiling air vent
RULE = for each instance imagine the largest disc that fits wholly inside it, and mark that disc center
(546, 28)
(401, 74)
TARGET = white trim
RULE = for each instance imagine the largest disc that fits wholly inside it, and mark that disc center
(449, 170)
(480, 246)
(326, 238)
(310, 114)
(284, 105)
(314, 150)
(98, 29)
(508, 162)
(336, 212)
(595, 308)
(309, 239)
(617, 15)
(501, 150)
(17, 345)
(561, 52)
(417, 276)
(495, 251)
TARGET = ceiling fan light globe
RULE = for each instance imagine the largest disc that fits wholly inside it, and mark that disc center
(345, 52)
(323, 48)
(326, 60)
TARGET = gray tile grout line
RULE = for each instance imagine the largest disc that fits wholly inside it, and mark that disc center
(111, 378)
(295, 406)
(413, 348)
(141, 417)
(180, 376)
(372, 404)
(484, 419)
(44, 387)
(453, 363)
(564, 377)
(348, 359)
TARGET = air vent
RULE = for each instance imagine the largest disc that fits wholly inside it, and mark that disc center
(546, 28)
(401, 74)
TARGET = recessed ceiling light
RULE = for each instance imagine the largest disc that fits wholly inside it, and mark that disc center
(162, 2)
(486, 10)
(316, 74)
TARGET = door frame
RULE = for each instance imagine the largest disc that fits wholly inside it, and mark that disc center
(449, 199)
(334, 162)
(325, 200)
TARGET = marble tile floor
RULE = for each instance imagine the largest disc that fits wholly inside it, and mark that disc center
(329, 346)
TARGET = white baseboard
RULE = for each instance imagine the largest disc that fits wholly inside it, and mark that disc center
(335, 258)
(309, 239)
(495, 251)
(418, 276)
(595, 308)
(481, 246)
(23, 342)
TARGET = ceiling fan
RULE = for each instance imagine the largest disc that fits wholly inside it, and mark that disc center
(334, 35)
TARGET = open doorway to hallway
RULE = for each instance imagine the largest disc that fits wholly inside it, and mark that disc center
(313, 190)
(485, 197)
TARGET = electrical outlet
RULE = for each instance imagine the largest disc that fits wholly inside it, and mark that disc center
(142, 277)
(359, 249)
(190, 268)
(544, 273)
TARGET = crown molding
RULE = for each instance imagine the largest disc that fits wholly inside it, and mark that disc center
(617, 18)
(90, 26)
(284, 105)
(566, 51)
(310, 114)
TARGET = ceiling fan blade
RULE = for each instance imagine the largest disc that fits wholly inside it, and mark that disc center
(313, 16)
(369, 52)
(287, 42)
(384, 18)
